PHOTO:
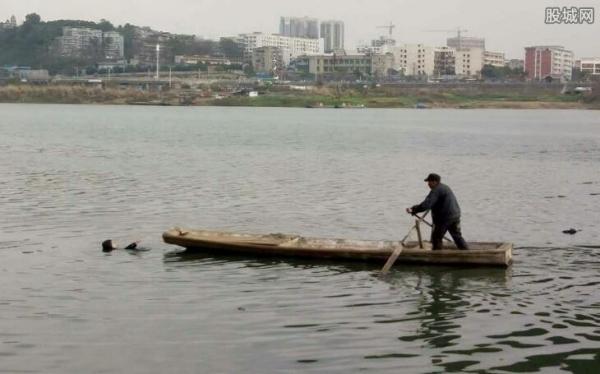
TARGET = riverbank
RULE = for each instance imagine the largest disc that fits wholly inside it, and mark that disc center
(322, 97)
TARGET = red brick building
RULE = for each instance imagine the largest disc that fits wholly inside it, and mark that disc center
(543, 62)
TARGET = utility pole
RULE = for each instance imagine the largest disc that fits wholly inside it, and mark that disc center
(169, 77)
(157, 61)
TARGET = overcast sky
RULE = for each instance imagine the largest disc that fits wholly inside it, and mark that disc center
(507, 25)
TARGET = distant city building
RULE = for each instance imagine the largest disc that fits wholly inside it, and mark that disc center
(515, 63)
(465, 42)
(79, 42)
(590, 65)
(299, 27)
(444, 62)
(290, 47)
(91, 43)
(333, 34)
(378, 46)
(382, 64)
(494, 58)
(144, 47)
(414, 59)
(111, 65)
(114, 45)
(355, 64)
(548, 62)
(267, 60)
(203, 59)
(469, 62)
(9, 24)
(33, 76)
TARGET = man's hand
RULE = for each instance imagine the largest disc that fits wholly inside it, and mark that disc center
(409, 210)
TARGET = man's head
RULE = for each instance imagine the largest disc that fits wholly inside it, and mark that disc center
(107, 246)
(433, 180)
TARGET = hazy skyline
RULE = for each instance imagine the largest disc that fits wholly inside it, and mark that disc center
(507, 26)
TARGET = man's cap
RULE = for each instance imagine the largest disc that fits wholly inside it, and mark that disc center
(433, 177)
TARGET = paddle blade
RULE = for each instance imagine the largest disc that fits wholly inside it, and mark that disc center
(390, 262)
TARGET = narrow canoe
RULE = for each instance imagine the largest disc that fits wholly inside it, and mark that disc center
(480, 253)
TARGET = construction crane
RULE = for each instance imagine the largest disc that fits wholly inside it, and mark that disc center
(457, 30)
(390, 28)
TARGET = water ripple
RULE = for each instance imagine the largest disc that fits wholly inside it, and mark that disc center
(76, 175)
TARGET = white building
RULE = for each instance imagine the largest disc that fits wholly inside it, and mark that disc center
(357, 64)
(590, 65)
(494, 58)
(333, 34)
(469, 62)
(114, 45)
(9, 24)
(77, 41)
(290, 47)
(414, 59)
(378, 46)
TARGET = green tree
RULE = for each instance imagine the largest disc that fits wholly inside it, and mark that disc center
(33, 19)
(230, 48)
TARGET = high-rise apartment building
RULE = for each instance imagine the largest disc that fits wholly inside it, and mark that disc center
(333, 34)
(299, 27)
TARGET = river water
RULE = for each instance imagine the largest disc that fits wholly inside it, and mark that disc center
(72, 176)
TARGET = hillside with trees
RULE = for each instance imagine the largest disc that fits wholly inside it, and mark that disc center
(30, 44)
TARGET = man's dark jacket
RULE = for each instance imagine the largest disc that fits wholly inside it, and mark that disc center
(443, 205)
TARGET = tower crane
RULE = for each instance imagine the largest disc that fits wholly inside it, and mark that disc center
(390, 28)
(457, 30)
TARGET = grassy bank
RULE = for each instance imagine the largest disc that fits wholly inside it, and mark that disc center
(325, 97)
(73, 95)
(446, 100)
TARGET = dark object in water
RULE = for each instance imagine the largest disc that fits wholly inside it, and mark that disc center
(107, 246)
(132, 246)
(570, 231)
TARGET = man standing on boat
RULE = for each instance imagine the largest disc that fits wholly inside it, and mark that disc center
(445, 211)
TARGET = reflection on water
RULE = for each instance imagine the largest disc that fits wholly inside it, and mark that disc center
(462, 319)
(73, 176)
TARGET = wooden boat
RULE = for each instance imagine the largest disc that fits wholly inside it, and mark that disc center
(480, 253)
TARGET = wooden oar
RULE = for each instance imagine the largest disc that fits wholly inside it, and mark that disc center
(422, 219)
(398, 250)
